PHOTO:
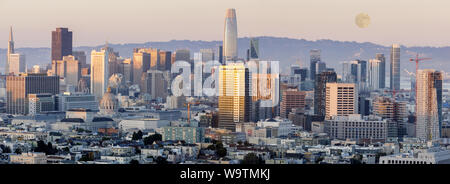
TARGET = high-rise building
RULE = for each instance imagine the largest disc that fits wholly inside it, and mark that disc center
(254, 48)
(429, 104)
(374, 74)
(220, 54)
(207, 55)
(395, 67)
(230, 36)
(341, 99)
(182, 55)
(165, 62)
(16, 63)
(99, 73)
(320, 90)
(69, 68)
(320, 67)
(155, 84)
(18, 88)
(350, 71)
(9, 51)
(234, 97)
(81, 57)
(292, 99)
(380, 57)
(141, 63)
(314, 57)
(61, 43)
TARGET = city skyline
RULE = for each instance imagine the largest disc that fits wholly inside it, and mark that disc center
(288, 19)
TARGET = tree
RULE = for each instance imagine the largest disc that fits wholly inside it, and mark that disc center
(18, 151)
(45, 148)
(251, 158)
(5, 149)
(161, 160)
(221, 152)
(134, 162)
(153, 138)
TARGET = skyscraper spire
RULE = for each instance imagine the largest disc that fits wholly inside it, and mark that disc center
(10, 34)
(11, 42)
(230, 36)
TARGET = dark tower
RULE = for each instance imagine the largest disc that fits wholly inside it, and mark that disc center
(61, 43)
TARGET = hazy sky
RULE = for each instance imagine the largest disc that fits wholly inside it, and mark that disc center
(408, 22)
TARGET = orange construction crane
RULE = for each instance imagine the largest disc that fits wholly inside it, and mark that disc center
(189, 110)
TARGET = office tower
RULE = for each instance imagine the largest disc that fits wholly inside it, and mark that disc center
(350, 71)
(9, 51)
(16, 63)
(380, 57)
(154, 57)
(361, 79)
(141, 63)
(182, 55)
(69, 68)
(81, 57)
(99, 73)
(230, 36)
(234, 98)
(42, 102)
(265, 96)
(374, 74)
(320, 67)
(254, 48)
(341, 99)
(220, 54)
(314, 57)
(61, 43)
(18, 88)
(155, 84)
(165, 62)
(207, 55)
(127, 70)
(395, 67)
(320, 90)
(292, 99)
(429, 104)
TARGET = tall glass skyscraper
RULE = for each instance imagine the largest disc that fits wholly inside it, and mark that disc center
(395, 67)
(230, 36)
(429, 104)
(314, 57)
(380, 57)
(254, 48)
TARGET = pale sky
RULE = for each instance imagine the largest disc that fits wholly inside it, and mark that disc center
(408, 22)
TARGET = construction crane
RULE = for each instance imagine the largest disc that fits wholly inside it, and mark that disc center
(417, 60)
(188, 104)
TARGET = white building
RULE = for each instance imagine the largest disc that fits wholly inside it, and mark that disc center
(374, 74)
(283, 126)
(354, 127)
(67, 101)
(99, 72)
(143, 124)
(434, 155)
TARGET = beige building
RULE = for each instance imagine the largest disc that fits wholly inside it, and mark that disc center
(69, 68)
(341, 99)
(429, 104)
(29, 158)
(99, 73)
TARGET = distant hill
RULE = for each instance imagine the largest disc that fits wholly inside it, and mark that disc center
(286, 50)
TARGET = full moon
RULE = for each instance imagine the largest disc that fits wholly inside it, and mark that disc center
(362, 20)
